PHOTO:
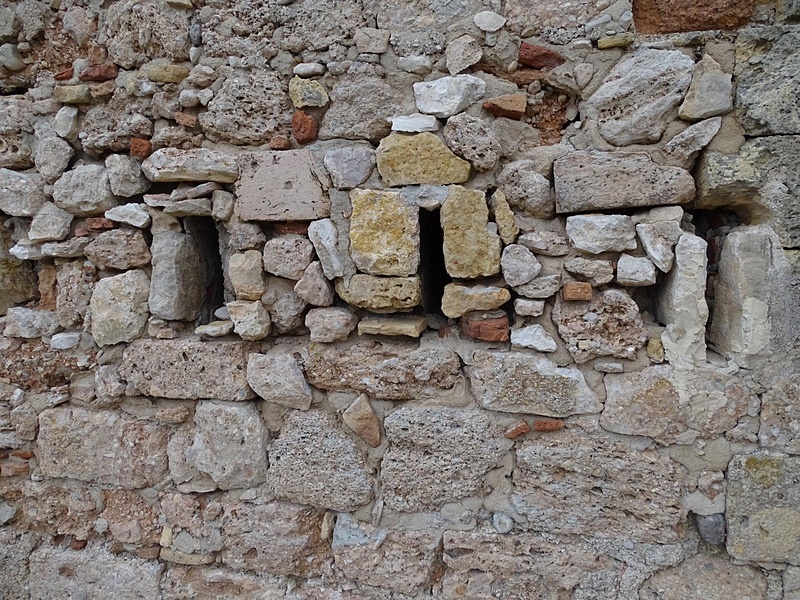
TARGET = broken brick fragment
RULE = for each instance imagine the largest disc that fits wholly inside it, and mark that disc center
(576, 291)
(539, 57)
(305, 127)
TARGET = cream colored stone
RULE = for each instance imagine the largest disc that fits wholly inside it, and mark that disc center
(250, 319)
(247, 275)
(460, 299)
(381, 294)
(199, 164)
(119, 307)
(360, 417)
(384, 233)
(419, 158)
(504, 217)
(411, 326)
(471, 249)
(307, 92)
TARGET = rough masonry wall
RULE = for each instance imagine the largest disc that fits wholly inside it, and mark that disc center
(344, 299)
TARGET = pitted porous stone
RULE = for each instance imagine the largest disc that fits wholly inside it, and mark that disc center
(119, 249)
(705, 576)
(383, 371)
(608, 325)
(92, 572)
(146, 29)
(460, 299)
(52, 157)
(376, 103)
(381, 294)
(504, 217)
(119, 307)
(548, 243)
(199, 164)
(187, 369)
(763, 508)
(277, 378)
(402, 561)
(471, 249)
(419, 158)
(277, 538)
(285, 306)
(472, 139)
(597, 272)
(519, 265)
(635, 102)
(84, 191)
(101, 446)
(526, 189)
(601, 233)
(589, 180)
(636, 494)
(315, 462)
(653, 16)
(519, 382)
(556, 23)
(288, 256)
(780, 416)
(279, 186)
(395, 250)
(418, 472)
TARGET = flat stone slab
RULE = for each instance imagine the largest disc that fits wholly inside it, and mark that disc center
(188, 369)
(198, 164)
(590, 180)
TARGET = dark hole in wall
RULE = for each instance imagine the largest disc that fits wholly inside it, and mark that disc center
(204, 232)
(432, 270)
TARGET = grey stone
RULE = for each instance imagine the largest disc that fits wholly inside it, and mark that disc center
(130, 214)
(635, 271)
(84, 191)
(150, 28)
(528, 308)
(601, 233)
(534, 337)
(596, 272)
(195, 207)
(519, 265)
(285, 306)
(119, 307)
(251, 321)
(65, 341)
(549, 243)
(119, 249)
(684, 147)
(420, 65)
(349, 167)
(50, 224)
(448, 96)
(30, 323)
(214, 329)
(711, 528)
(288, 256)
(308, 69)
(526, 189)
(376, 101)
(780, 414)
(52, 157)
(125, 175)
(277, 378)
(313, 287)
(636, 99)
(177, 288)
(199, 164)
(710, 93)
(472, 139)
(705, 576)
(541, 287)
(65, 122)
(70, 248)
(372, 40)
(21, 194)
(462, 53)
(330, 324)
(489, 21)
(519, 382)
(658, 241)
(418, 473)
(325, 237)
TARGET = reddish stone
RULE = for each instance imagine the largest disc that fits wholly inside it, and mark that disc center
(517, 429)
(291, 227)
(305, 127)
(487, 326)
(81, 230)
(280, 142)
(26, 454)
(518, 77)
(64, 75)
(97, 54)
(185, 119)
(3, 454)
(671, 16)
(548, 424)
(13, 468)
(539, 57)
(99, 223)
(141, 148)
(77, 544)
(48, 290)
(512, 106)
(576, 291)
(99, 73)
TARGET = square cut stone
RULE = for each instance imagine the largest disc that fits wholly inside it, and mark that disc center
(279, 186)
(575, 291)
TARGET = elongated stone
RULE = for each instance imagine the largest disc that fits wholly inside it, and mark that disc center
(460, 299)
(471, 250)
(198, 164)
(119, 307)
(419, 158)
(448, 95)
(381, 294)
(601, 233)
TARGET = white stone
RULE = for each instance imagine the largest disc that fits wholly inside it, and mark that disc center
(177, 287)
(65, 123)
(489, 21)
(214, 328)
(330, 324)
(125, 175)
(325, 237)
(658, 240)
(635, 272)
(415, 123)
(309, 69)
(119, 307)
(131, 214)
(65, 341)
(519, 265)
(21, 194)
(349, 167)
(601, 233)
(50, 224)
(528, 308)
(276, 377)
(448, 96)
(198, 164)
(710, 92)
(534, 337)
(84, 191)
(251, 320)
(52, 157)
(288, 256)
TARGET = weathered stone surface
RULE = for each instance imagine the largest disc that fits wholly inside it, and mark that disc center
(21, 194)
(210, 582)
(527, 383)
(330, 324)
(314, 462)
(519, 265)
(101, 446)
(416, 123)
(460, 299)
(360, 417)
(489, 326)
(608, 325)
(420, 158)
(52, 157)
(84, 191)
(251, 320)
(331, 250)
(471, 249)
(50, 224)
(597, 272)
(119, 249)
(637, 494)
(73, 94)
(371, 40)
(376, 100)
(511, 106)
(591, 180)
(277, 378)
(285, 306)
(418, 473)
(526, 189)
(177, 288)
(199, 164)
(635, 271)
(349, 167)
(762, 508)
(288, 256)
(448, 96)
(187, 369)
(119, 307)
(763, 94)
(307, 92)
(627, 106)
(534, 337)
(381, 294)
(70, 248)
(131, 214)
(384, 233)
(528, 308)
(543, 286)
(658, 241)
(504, 217)
(94, 571)
(279, 186)
(710, 93)
(705, 576)
(276, 537)
(247, 275)
(652, 16)
(151, 29)
(472, 139)
(18, 281)
(125, 175)
(462, 53)
(386, 371)
(780, 416)
(30, 323)
(601, 233)
(549, 243)
(390, 559)
(684, 147)
(407, 325)
(313, 287)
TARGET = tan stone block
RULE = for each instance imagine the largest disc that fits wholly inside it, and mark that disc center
(575, 291)
(460, 299)
(420, 158)
(360, 417)
(247, 275)
(381, 294)
(504, 217)
(511, 106)
(410, 326)
(470, 249)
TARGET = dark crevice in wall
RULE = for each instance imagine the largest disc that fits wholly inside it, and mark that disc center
(204, 232)
(431, 268)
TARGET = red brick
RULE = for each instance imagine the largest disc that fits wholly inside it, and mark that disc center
(576, 291)
(99, 223)
(99, 73)
(305, 127)
(141, 148)
(487, 326)
(539, 57)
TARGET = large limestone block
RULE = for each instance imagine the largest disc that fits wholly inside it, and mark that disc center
(519, 382)
(635, 102)
(84, 191)
(101, 446)
(460, 299)
(177, 284)
(197, 164)
(187, 369)
(384, 233)
(419, 158)
(448, 96)
(21, 194)
(765, 95)
(471, 249)
(119, 249)
(705, 576)
(119, 307)
(384, 371)
(381, 294)
(277, 538)
(92, 572)
(763, 508)
(601, 233)
(780, 416)
(279, 186)
(607, 325)
(635, 493)
(315, 462)
(591, 180)
(418, 472)
(276, 377)
(390, 559)
(361, 107)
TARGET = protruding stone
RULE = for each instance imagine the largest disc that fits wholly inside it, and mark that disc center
(313, 287)
(462, 53)
(416, 123)
(526, 189)
(50, 224)
(119, 307)
(125, 175)
(307, 92)
(84, 191)
(288, 256)
(377, 100)
(471, 249)
(372, 41)
(198, 164)
(409, 326)
(635, 271)
(130, 214)
(194, 207)
(177, 288)
(349, 167)
(330, 324)
(601, 233)
(528, 308)
(325, 237)
(519, 265)
(598, 272)
(534, 337)
(285, 307)
(251, 320)
(30, 323)
(381, 294)
(548, 243)
(489, 326)
(543, 286)
(460, 299)
(448, 96)
(658, 240)
(504, 217)
(710, 93)
(511, 106)
(577, 291)
(489, 21)
(360, 417)
(419, 158)
(73, 94)
(277, 378)
(52, 157)
(247, 275)
(214, 329)
(119, 249)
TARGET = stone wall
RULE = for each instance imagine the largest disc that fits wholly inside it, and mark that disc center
(344, 299)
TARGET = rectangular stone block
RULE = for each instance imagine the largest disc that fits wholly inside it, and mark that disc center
(212, 583)
(188, 369)
(279, 186)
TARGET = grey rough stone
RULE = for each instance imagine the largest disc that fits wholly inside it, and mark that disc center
(684, 147)
(187, 369)
(246, 273)
(780, 415)
(151, 28)
(84, 191)
(288, 256)
(198, 164)
(52, 157)
(131, 214)
(462, 53)
(543, 286)
(635, 271)
(119, 307)
(705, 576)
(548, 243)
(251, 321)
(330, 324)
(710, 93)
(177, 288)
(50, 224)
(658, 241)
(18, 280)
(15, 551)
(210, 582)
(519, 265)
(313, 287)
(473, 140)
(70, 248)
(21, 194)
(65, 122)
(30, 323)
(376, 102)
(110, 128)
(519, 382)
(418, 473)
(276, 377)
(596, 272)
(314, 462)
(448, 96)
(534, 337)
(526, 189)
(601, 233)
(285, 306)
(326, 239)
(711, 528)
(349, 167)
(420, 65)
(125, 175)
(119, 249)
